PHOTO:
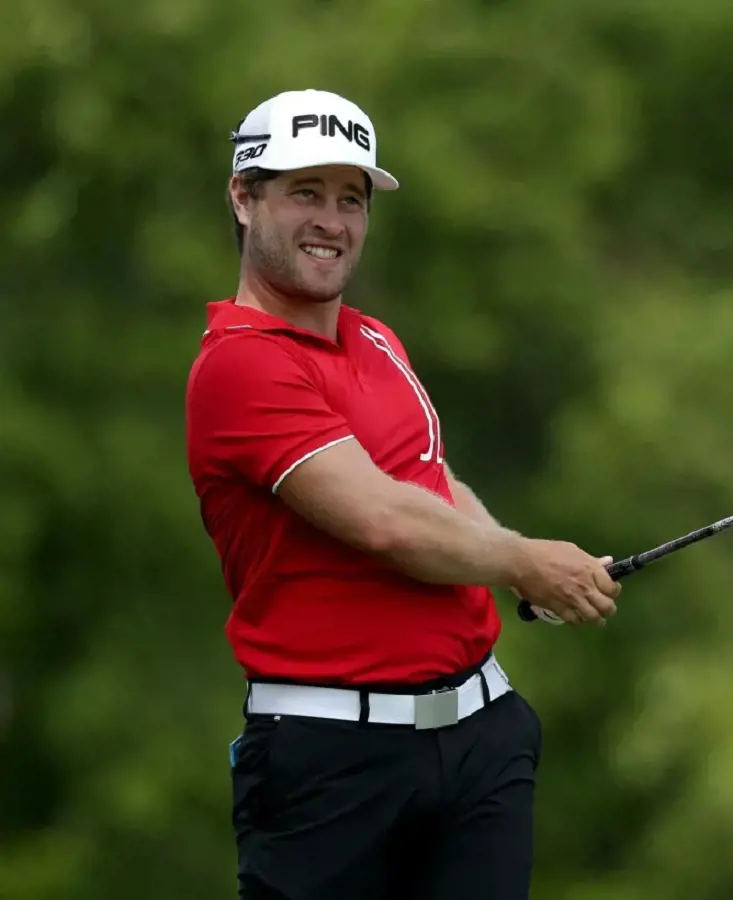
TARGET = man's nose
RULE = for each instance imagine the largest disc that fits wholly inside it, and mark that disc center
(328, 218)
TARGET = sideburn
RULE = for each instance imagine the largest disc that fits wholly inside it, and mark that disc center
(265, 251)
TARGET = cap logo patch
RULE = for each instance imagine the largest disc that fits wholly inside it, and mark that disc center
(249, 153)
(352, 131)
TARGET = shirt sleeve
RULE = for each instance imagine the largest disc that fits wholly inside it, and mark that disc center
(254, 409)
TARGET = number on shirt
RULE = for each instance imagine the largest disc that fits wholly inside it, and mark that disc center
(433, 449)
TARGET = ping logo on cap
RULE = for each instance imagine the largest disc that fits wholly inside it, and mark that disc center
(352, 131)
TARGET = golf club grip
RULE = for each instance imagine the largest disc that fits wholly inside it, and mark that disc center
(625, 567)
(616, 570)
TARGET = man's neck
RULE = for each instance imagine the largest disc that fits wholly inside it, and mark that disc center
(320, 318)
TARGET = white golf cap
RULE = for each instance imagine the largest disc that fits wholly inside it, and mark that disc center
(300, 129)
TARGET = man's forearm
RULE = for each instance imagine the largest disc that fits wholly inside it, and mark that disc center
(433, 542)
(412, 529)
(342, 492)
(468, 503)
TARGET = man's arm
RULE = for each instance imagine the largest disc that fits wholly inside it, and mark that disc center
(466, 501)
(342, 492)
(470, 505)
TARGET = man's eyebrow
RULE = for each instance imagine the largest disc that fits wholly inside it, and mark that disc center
(300, 182)
(307, 180)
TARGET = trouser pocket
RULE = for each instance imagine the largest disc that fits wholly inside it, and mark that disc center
(249, 758)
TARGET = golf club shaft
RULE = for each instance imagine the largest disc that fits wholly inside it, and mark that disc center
(624, 567)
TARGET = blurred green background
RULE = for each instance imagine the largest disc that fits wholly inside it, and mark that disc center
(559, 264)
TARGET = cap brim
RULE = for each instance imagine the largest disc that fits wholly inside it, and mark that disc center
(381, 179)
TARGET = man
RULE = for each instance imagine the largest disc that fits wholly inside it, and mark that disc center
(385, 754)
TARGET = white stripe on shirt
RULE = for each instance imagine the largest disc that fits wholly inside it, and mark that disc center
(306, 457)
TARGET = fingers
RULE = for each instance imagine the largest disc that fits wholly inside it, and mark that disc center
(602, 603)
(606, 561)
(581, 613)
(605, 583)
(595, 607)
(599, 602)
(570, 617)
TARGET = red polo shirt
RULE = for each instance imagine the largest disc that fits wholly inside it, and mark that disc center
(263, 396)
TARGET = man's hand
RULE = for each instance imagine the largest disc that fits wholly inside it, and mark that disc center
(564, 579)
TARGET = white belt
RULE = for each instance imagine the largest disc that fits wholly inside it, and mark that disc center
(434, 710)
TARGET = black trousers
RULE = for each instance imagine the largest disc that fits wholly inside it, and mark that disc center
(331, 810)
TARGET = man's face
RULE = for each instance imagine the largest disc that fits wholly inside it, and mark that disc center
(307, 230)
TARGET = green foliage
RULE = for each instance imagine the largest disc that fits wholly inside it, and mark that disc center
(558, 263)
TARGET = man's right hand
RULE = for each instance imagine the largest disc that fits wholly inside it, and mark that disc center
(561, 577)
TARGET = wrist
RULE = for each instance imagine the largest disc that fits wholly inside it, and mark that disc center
(514, 556)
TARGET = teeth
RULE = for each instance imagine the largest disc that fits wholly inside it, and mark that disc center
(321, 252)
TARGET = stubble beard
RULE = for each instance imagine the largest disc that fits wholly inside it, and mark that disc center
(275, 260)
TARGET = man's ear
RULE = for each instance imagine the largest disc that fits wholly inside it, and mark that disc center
(241, 200)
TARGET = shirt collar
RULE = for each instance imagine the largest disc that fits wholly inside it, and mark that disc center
(226, 315)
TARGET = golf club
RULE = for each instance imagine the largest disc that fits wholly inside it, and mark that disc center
(617, 570)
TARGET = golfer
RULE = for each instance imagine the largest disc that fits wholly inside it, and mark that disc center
(384, 754)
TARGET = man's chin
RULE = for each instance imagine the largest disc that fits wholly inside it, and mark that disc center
(315, 297)
(319, 293)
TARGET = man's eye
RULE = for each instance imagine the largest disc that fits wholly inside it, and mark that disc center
(353, 201)
(305, 192)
